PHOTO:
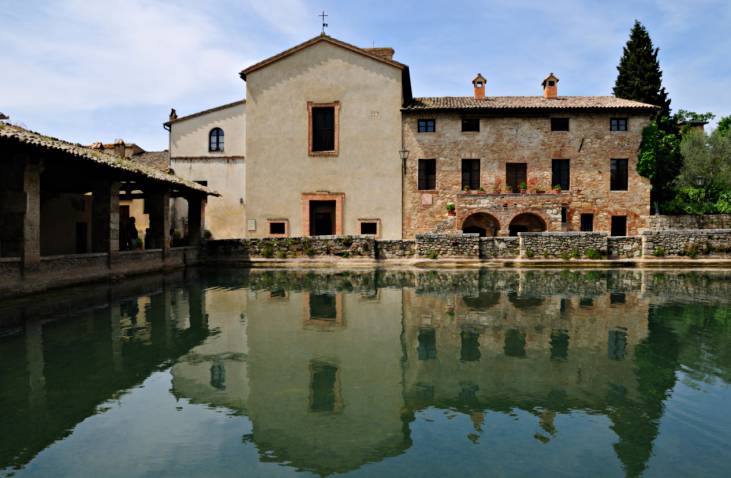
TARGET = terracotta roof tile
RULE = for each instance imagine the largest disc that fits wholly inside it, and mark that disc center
(24, 136)
(501, 103)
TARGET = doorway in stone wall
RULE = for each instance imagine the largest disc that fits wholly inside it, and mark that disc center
(322, 218)
(482, 224)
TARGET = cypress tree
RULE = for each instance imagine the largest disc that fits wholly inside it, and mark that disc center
(640, 76)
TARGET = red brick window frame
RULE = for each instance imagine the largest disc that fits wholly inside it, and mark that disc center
(336, 141)
(274, 224)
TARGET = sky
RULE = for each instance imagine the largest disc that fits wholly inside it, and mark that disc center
(99, 70)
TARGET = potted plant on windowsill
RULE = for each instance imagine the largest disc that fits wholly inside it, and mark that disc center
(556, 189)
(451, 209)
(523, 187)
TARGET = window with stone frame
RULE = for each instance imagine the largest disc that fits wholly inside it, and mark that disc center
(516, 174)
(427, 174)
(323, 125)
(470, 125)
(471, 174)
(618, 175)
(561, 173)
(277, 228)
(618, 124)
(368, 227)
(426, 125)
(559, 124)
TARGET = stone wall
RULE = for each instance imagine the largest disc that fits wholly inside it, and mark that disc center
(561, 244)
(708, 221)
(291, 247)
(690, 242)
(589, 145)
(445, 245)
(395, 249)
(624, 247)
(499, 247)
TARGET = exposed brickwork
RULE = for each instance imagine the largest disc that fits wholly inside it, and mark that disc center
(589, 145)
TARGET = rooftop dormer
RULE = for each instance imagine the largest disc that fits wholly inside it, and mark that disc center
(550, 86)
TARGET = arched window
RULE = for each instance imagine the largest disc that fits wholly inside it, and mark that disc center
(215, 140)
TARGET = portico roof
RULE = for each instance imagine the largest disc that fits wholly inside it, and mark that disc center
(16, 134)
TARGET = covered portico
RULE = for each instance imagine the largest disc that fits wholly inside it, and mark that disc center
(60, 213)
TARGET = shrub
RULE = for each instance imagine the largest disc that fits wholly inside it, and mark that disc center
(575, 254)
(345, 254)
(309, 251)
(691, 251)
(432, 254)
(593, 254)
(545, 254)
(565, 256)
(529, 254)
(659, 252)
(267, 251)
(281, 254)
(347, 241)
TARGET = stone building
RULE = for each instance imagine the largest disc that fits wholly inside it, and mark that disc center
(336, 144)
(524, 163)
(209, 147)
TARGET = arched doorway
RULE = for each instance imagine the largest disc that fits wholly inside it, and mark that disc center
(526, 222)
(482, 224)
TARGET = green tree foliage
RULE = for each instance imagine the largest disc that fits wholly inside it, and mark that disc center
(659, 158)
(685, 116)
(704, 182)
(724, 126)
(640, 76)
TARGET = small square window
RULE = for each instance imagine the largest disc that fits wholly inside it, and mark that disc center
(559, 124)
(369, 228)
(470, 124)
(277, 228)
(427, 126)
(618, 124)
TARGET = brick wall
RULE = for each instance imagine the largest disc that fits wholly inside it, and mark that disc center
(589, 145)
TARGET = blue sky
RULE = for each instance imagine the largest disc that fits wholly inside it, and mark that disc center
(100, 70)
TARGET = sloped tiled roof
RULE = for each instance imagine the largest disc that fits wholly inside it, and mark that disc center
(154, 159)
(201, 113)
(24, 136)
(505, 103)
(322, 38)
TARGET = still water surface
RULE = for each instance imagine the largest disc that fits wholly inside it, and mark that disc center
(371, 373)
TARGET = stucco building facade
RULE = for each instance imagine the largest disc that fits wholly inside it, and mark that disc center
(209, 147)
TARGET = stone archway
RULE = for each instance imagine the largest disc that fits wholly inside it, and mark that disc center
(526, 222)
(481, 223)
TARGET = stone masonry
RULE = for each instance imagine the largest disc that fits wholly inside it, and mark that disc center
(589, 145)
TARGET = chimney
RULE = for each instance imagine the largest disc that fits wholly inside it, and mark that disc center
(479, 84)
(173, 114)
(385, 52)
(550, 87)
(119, 148)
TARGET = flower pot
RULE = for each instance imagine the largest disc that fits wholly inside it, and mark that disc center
(522, 191)
(451, 213)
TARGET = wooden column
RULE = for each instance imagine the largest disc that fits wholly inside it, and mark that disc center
(105, 217)
(196, 218)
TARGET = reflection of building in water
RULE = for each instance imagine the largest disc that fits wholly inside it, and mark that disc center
(61, 367)
(546, 355)
(318, 373)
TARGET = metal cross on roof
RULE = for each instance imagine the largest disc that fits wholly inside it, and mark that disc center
(323, 15)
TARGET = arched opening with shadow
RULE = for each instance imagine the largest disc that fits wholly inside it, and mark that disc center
(483, 301)
(524, 301)
(526, 222)
(482, 224)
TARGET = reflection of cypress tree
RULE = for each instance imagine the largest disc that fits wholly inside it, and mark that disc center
(637, 420)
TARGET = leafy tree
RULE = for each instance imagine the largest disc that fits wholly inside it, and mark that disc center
(659, 159)
(704, 182)
(640, 76)
(685, 116)
(724, 126)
